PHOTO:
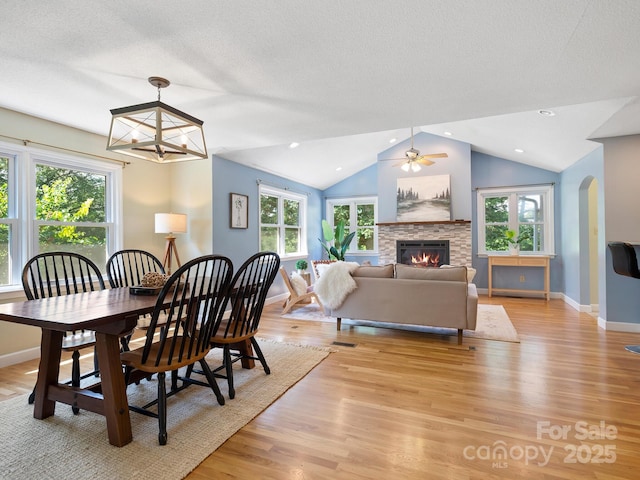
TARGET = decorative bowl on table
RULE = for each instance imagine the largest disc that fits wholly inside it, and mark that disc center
(151, 284)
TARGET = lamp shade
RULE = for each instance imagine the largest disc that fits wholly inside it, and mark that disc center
(171, 223)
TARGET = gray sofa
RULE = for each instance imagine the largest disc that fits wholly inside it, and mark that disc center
(435, 297)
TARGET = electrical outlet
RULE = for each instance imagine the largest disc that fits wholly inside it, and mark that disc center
(521, 278)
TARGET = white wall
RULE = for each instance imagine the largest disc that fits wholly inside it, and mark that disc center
(148, 188)
(622, 223)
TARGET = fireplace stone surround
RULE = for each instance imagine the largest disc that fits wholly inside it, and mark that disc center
(457, 232)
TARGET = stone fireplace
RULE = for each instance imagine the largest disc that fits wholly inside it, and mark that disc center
(423, 253)
(456, 232)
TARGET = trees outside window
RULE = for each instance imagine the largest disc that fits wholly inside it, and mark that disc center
(360, 215)
(282, 222)
(71, 212)
(528, 211)
(51, 202)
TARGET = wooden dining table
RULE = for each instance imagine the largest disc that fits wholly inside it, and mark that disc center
(110, 314)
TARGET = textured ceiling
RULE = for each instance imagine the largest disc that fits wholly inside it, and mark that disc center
(341, 77)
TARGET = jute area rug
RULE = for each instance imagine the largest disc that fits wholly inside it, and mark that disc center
(493, 323)
(75, 446)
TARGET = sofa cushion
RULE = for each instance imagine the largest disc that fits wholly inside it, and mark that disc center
(378, 271)
(456, 274)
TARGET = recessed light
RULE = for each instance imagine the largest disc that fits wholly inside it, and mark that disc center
(546, 113)
(519, 150)
(393, 140)
(338, 169)
(293, 144)
(448, 134)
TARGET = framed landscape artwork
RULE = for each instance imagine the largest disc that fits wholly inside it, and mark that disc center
(424, 199)
(239, 215)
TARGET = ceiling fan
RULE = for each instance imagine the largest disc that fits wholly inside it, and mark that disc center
(413, 159)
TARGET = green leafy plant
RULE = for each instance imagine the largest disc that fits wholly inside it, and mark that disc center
(514, 239)
(301, 264)
(340, 245)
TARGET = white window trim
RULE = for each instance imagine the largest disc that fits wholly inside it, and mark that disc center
(23, 175)
(353, 202)
(546, 190)
(283, 194)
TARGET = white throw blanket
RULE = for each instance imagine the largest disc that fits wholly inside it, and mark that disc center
(336, 283)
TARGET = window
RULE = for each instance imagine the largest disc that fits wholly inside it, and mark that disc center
(359, 214)
(55, 202)
(525, 210)
(282, 222)
(7, 207)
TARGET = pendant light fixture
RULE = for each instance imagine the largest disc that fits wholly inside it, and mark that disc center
(156, 131)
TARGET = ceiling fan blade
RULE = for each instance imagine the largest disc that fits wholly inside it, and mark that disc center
(424, 161)
(434, 155)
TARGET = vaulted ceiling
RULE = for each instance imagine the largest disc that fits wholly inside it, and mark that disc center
(340, 77)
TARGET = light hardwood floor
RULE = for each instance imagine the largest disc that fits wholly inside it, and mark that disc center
(412, 405)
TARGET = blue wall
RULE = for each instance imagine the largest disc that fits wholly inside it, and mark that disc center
(575, 254)
(362, 184)
(457, 165)
(488, 171)
(469, 171)
(622, 223)
(240, 244)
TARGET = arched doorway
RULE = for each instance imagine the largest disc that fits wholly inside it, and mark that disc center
(588, 238)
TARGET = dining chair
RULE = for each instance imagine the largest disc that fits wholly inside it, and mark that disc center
(54, 274)
(126, 268)
(235, 332)
(298, 294)
(192, 300)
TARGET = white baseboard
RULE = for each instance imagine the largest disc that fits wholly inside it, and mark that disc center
(19, 357)
(619, 326)
(602, 323)
(485, 291)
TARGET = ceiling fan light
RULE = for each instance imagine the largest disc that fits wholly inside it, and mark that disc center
(415, 167)
(405, 167)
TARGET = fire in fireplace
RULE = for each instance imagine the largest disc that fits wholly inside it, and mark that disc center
(423, 253)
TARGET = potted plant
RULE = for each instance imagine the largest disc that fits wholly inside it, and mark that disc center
(514, 240)
(301, 265)
(340, 241)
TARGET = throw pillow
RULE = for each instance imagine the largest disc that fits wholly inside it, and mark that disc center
(457, 274)
(382, 271)
(321, 268)
(298, 283)
(471, 272)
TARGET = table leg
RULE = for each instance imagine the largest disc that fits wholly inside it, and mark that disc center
(490, 274)
(116, 407)
(48, 372)
(247, 351)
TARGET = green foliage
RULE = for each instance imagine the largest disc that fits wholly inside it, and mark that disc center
(64, 195)
(341, 242)
(301, 264)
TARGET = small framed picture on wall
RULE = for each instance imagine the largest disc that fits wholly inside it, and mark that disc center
(239, 213)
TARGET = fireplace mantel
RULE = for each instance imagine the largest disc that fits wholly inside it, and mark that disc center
(435, 222)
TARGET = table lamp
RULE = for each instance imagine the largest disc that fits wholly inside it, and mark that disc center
(171, 223)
